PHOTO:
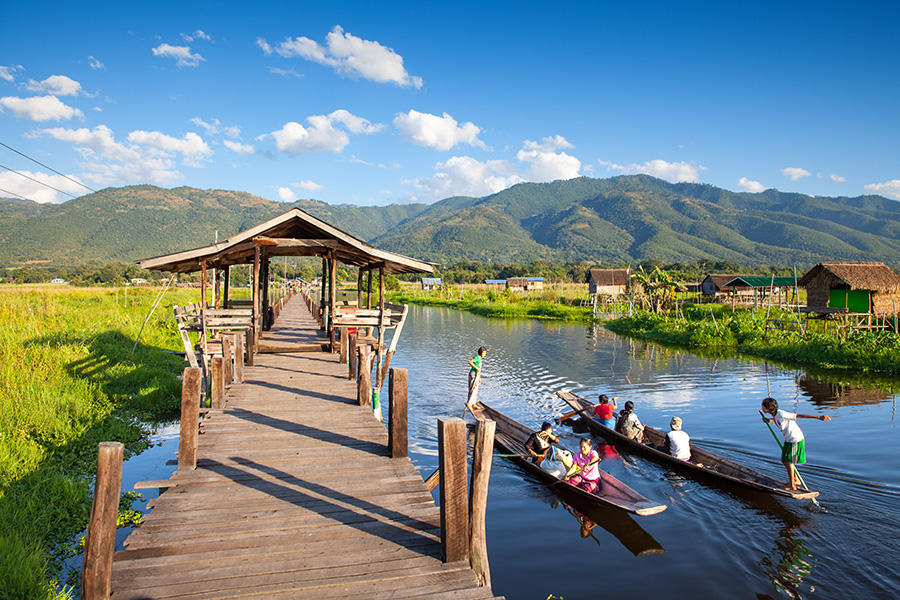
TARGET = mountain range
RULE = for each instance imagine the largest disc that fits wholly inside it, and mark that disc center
(617, 220)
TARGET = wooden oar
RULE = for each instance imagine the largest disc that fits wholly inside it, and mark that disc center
(781, 446)
(568, 416)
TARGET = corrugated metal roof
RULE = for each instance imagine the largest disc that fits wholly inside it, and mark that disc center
(763, 281)
(495, 281)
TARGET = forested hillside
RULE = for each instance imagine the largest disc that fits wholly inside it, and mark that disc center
(615, 221)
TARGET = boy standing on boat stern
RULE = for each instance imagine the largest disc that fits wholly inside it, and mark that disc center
(475, 376)
(794, 450)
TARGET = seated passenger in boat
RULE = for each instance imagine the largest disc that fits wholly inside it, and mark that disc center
(678, 442)
(538, 443)
(604, 411)
(585, 473)
(628, 424)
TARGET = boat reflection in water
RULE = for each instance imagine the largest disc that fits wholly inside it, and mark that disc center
(618, 523)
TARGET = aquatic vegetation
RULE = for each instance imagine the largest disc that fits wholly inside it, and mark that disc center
(68, 381)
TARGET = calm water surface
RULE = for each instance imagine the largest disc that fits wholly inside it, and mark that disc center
(712, 542)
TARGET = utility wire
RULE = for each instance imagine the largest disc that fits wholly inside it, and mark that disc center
(40, 182)
(46, 167)
(15, 194)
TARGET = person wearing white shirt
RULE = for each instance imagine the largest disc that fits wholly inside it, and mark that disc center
(793, 452)
(678, 442)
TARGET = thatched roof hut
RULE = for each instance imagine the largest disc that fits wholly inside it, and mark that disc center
(856, 287)
(613, 282)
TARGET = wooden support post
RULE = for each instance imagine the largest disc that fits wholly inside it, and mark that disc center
(332, 297)
(369, 291)
(379, 352)
(203, 285)
(453, 495)
(190, 412)
(239, 358)
(100, 542)
(217, 382)
(226, 284)
(251, 349)
(398, 437)
(227, 360)
(322, 304)
(345, 342)
(482, 452)
(364, 383)
(256, 302)
(359, 288)
(353, 356)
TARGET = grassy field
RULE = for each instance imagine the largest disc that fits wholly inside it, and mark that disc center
(68, 381)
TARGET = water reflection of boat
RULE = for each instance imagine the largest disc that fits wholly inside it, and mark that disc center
(703, 463)
(620, 525)
(510, 438)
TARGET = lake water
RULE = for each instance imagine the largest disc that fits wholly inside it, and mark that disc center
(711, 542)
(718, 542)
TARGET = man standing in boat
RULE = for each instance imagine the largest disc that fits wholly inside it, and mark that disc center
(793, 452)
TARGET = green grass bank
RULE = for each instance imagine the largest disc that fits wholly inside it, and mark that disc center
(68, 381)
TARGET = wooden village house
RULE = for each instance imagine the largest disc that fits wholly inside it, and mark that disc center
(610, 282)
(524, 284)
(852, 287)
(717, 284)
(431, 283)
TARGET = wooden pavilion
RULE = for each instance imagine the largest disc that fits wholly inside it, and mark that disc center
(294, 233)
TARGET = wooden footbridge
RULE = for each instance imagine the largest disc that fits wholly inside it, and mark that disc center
(294, 495)
(290, 487)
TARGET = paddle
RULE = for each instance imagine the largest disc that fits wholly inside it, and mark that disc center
(781, 446)
(566, 416)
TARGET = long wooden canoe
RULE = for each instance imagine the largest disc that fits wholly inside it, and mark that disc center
(703, 462)
(510, 438)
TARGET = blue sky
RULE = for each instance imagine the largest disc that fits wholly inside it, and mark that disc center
(375, 103)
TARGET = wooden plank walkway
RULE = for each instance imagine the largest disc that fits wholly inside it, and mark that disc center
(294, 496)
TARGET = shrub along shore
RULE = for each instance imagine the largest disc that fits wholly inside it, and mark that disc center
(68, 381)
(703, 328)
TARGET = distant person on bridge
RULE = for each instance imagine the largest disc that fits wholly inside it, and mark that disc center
(475, 376)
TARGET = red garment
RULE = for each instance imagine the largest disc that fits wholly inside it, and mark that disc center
(604, 411)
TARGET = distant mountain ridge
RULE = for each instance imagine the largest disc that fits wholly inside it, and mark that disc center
(616, 220)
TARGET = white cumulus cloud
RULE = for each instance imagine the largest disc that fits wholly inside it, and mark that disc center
(286, 194)
(348, 55)
(33, 190)
(148, 157)
(837, 178)
(239, 148)
(40, 108)
(547, 162)
(795, 173)
(181, 54)
(96, 64)
(215, 127)
(890, 189)
(466, 176)
(676, 172)
(432, 131)
(9, 73)
(310, 186)
(749, 185)
(321, 135)
(197, 35)
(58, 85)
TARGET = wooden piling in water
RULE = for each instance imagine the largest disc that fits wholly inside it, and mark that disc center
(482, 453)
(100, 542)
(453, 494)
(398, 436)
(191, 381)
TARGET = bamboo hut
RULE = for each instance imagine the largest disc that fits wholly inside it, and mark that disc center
(852, 287)
(611, 282)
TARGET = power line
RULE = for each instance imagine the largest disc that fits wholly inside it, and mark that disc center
(40, 182)
(46, 167)
(15, 194)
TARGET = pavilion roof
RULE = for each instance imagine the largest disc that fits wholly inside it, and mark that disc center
(293, 233)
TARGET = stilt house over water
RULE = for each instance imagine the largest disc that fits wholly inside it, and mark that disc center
(852, 287)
